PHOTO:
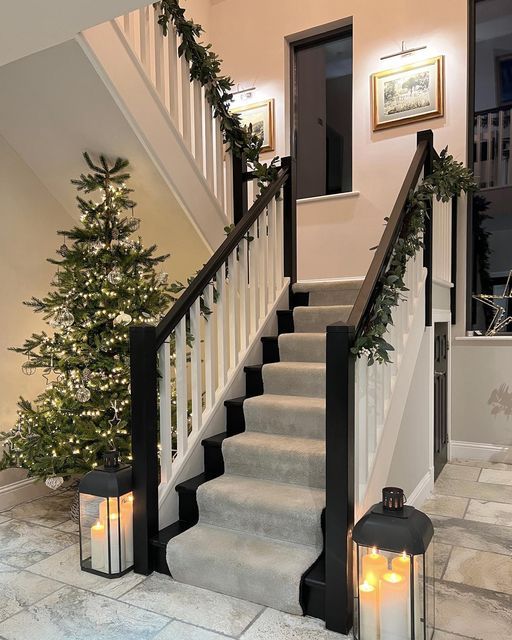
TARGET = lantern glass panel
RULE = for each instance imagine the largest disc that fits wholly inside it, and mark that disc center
(389, 584)
(106, 533)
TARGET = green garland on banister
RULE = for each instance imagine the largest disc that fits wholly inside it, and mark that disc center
(205, 66)
(448, 179)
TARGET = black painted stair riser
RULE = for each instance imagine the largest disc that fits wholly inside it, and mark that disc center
(235, 419)
(270, 347)
(285, 321)
(253, 381)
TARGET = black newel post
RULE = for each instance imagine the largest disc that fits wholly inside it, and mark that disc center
(143, 373)
(240, 205)
(290, 219)
(427, 250)
(339, 481)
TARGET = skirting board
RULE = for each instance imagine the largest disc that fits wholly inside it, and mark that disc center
(22, 491)
(422, 491)
(459, 450)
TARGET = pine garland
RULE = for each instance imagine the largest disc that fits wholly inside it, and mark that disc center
(205, 67)
(448, 179)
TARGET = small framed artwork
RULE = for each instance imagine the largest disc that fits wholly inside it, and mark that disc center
(408, 94)
(504, 79)
(261, 116)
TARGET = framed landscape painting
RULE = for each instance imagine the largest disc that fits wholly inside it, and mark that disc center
(408, 94)
(261, 116)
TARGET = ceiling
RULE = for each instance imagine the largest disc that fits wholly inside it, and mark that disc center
(34, 25)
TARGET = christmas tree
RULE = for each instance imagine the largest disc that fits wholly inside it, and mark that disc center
(105, 281)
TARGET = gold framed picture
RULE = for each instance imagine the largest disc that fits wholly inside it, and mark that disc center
(410, 93)
(261, 116)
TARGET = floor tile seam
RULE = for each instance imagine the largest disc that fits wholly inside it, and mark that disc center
(253, 621)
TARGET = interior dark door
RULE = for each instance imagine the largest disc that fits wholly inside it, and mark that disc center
(440, 396)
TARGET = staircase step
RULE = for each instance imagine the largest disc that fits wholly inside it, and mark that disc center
(278, 458)
(187, 491)
(302, 347)
(235, 419)
(295, 378)
(270, 346)
(284, 321)
(286, 415)
(253, 380)
(262, 507)
(235, 563)
(316, 319)
(213, 460)
(159, 544)
(328, 292)
(299, 299)
(312, 593)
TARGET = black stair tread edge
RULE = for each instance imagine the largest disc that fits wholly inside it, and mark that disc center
(191, 485)
(235, 402)
(269, 338)
(253, 367)
(315, 575)
(216, 440)
(166, 534)
(285, 312)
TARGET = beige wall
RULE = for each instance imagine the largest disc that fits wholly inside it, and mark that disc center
(30, 216)
(255, 53)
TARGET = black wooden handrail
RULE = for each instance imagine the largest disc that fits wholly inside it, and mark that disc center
(365, 298)
(170, 321)
(484, 112)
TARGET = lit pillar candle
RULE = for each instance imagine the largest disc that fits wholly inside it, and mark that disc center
(98, 544)
(368, 605)
(402, 565)
(374, 566)
(127, 529)
(115, 544)
(394, 607)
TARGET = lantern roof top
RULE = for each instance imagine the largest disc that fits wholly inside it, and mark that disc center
(107, 482)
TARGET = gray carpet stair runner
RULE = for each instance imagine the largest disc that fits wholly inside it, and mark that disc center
(259, 526)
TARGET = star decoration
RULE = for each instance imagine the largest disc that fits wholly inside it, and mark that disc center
(499, 322)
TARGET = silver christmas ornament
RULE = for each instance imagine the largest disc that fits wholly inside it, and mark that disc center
(97, 245)
(83, 394)
(64, 318)
(64, 250)
(54, 482)
(134, 224)
(115, 276)
(122, 319)
(86, 375)
(115, 234)
(162, 278)
(28, 368)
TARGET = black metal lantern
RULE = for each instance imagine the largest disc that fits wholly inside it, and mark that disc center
(395, 571)
(106, 519)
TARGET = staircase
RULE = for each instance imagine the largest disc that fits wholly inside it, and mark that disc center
(259, 524)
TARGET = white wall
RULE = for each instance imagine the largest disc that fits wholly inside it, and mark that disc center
(480, 370)
(30, 216)
(255, 53)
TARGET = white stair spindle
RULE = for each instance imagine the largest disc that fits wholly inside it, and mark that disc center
(279, 243)
(219, 166)
(174, 97)
(186, 125)
(210, 353)
(222, 343)
(144, 38)
(272, 250)
(233, 319)
(198, 124)
(164, 368)
(195, 362)
(371, 407)
(263, 240)
(362, 424)
(208, 143)
(243, 288)
(228, 186)
(253, 277)
(159, 57)
(181, 387)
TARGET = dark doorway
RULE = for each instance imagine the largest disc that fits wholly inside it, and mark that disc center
(440, 396)
(322, 113)
(490, 157)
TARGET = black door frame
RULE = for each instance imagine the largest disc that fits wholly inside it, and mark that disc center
(318, 38)
(470, 161)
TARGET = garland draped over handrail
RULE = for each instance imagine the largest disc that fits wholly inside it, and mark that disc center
(448, 179)
(205, 67)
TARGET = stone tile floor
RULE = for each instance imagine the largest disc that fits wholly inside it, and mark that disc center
(45, 596)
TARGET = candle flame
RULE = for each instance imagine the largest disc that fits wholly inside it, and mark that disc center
(404, 555)
(366, 587)
(375, 551)
(98, 525)
(393, 577)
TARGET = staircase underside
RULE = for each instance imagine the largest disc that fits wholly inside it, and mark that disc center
(259, 531)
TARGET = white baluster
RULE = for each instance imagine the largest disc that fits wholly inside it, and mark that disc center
(144, 38)
(173, 85)
(272, 250)
(279, 244)
(379, 406)
(254, 260)
(186, 126)
(219, 168)
(195, 363)
(135, 25)
(263, 240)
(208, 143)
(478, 158)
(210, 354)
(233, 319)
(489, 171)
(159, 56)
(500, 144)
(371, 407)
(243, 288)
(198, 124)
(228, 186)
(181, 387)
(222, 343)
(164, 368)
(362, 424)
